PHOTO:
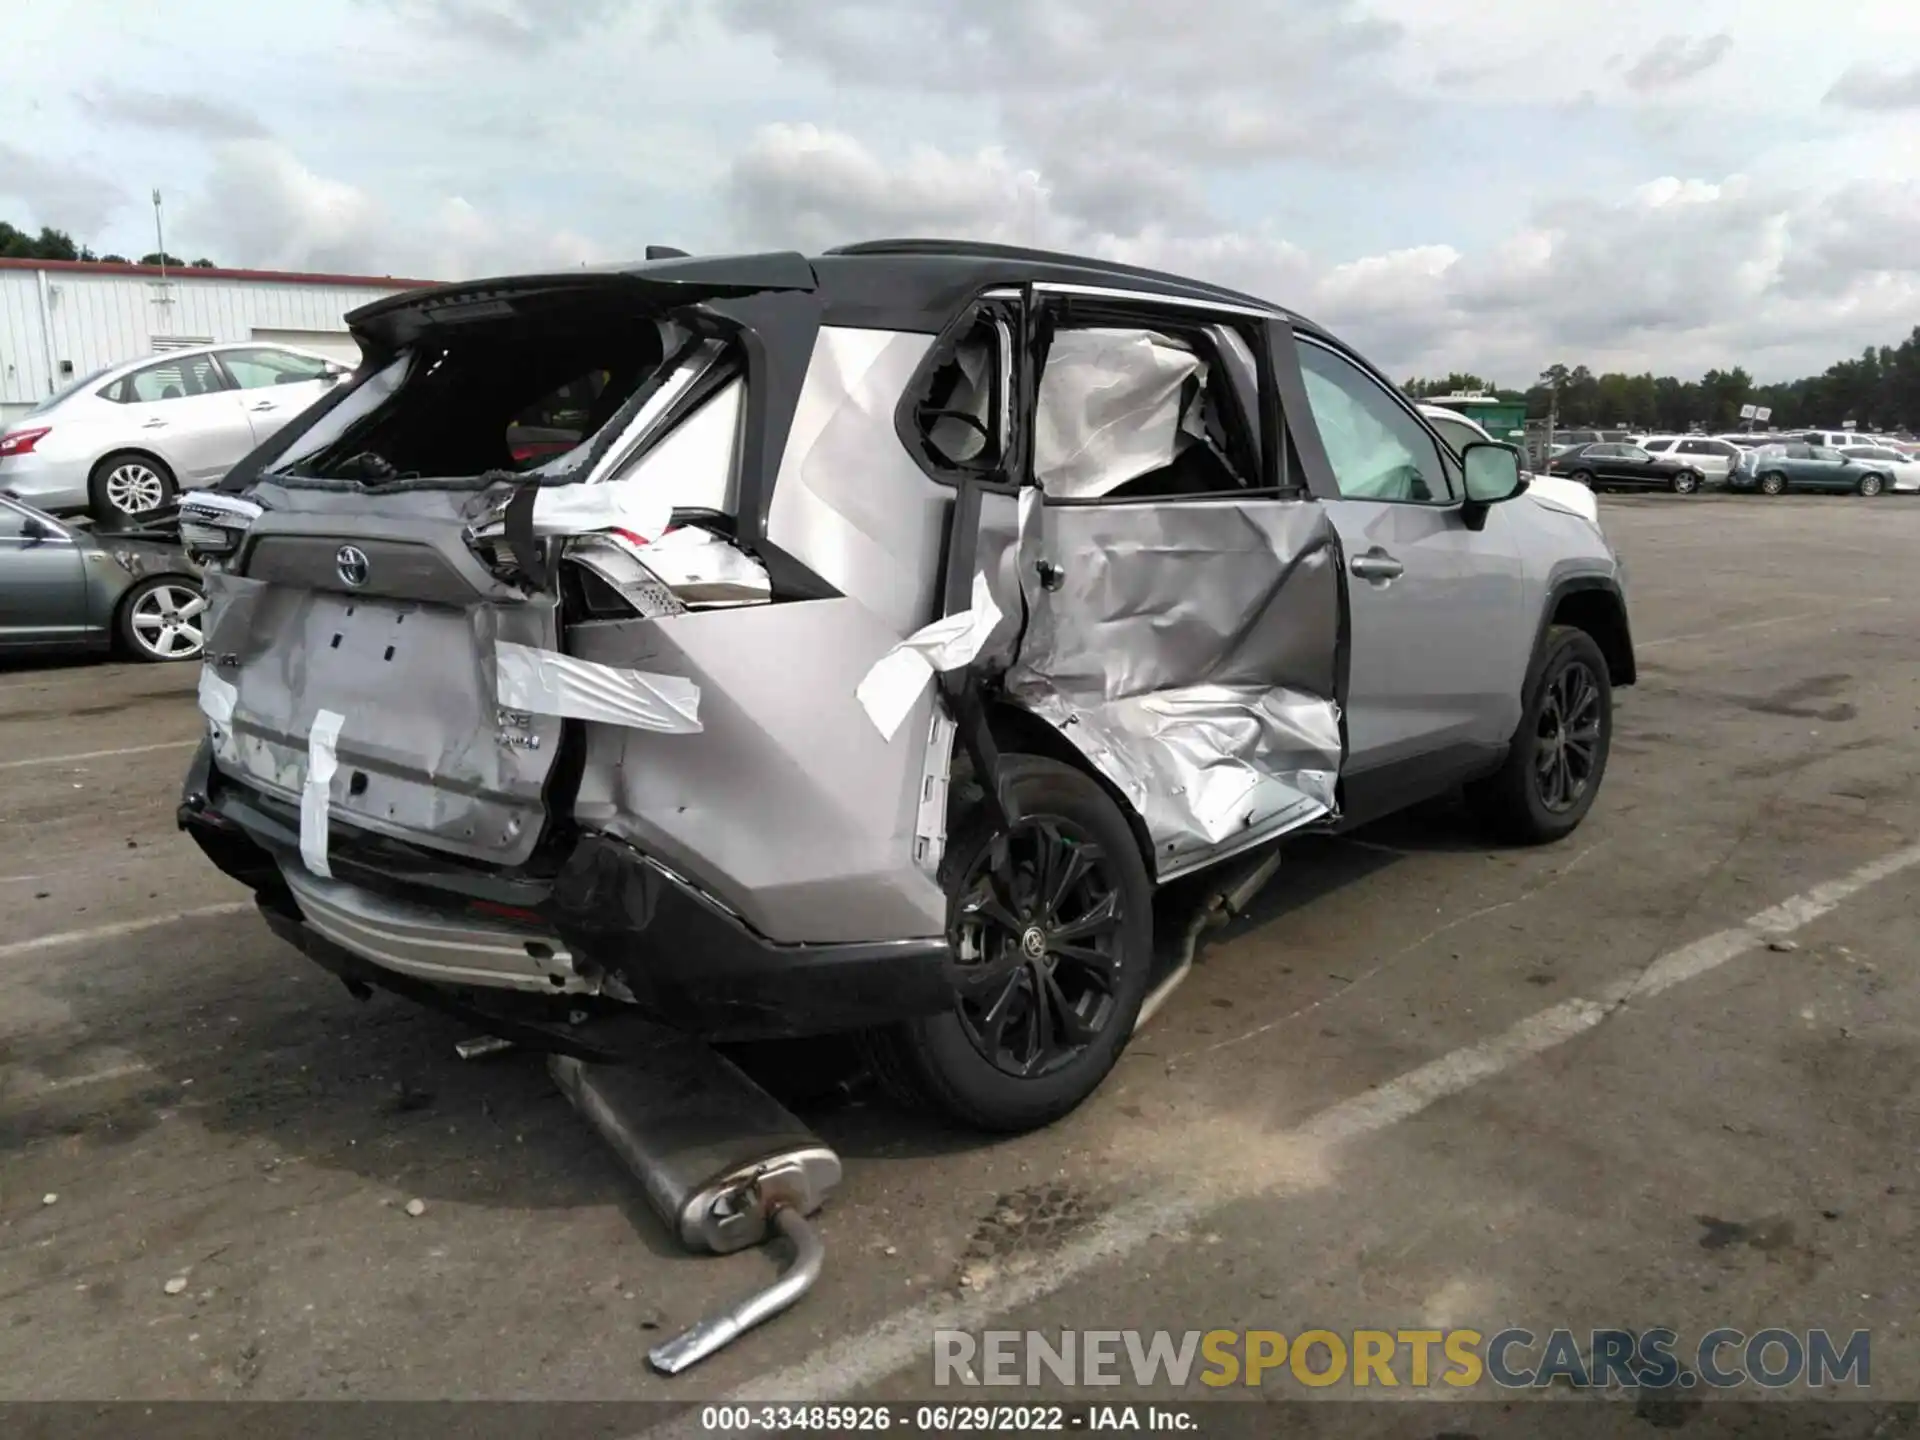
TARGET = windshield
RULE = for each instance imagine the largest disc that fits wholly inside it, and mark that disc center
(59, 395)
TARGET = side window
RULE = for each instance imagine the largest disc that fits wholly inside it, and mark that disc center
(1377, 449)
(13, 524)
(1136, 414)
(959, 406)
(176, 379)
(257, 369)
(1632, 452)
(1821, 452)
(1658, 446)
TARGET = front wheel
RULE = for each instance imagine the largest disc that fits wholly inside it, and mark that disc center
(1052, 933)
(1871, 484)
(1559, 754)
(1686, 482)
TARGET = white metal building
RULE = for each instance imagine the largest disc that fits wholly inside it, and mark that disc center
(61, 320)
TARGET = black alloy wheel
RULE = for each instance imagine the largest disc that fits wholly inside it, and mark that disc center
(1567, 738)
(1050, 933)
(1037, 941)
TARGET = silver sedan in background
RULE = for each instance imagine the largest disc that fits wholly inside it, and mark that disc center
(126, 440)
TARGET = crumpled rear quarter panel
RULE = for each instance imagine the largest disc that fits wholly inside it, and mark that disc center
(788, 805)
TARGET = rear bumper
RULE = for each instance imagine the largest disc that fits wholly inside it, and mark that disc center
(56, 486)
(640, 939)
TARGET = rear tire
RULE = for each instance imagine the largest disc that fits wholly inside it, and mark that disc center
(1558, 757)
(1686, 482)
(1582, 477)
(991, 1062)
(128, 484)
(1774, 484)
(163, 619)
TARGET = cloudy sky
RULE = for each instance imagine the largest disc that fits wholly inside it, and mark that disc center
(1492, 185)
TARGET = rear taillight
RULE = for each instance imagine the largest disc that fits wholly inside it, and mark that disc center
(21, 442)
(212, 524)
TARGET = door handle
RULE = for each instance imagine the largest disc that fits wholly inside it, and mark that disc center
(1376, 565)
(153, 425)
(265, 405)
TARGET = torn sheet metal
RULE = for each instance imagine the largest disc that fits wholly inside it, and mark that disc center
(545, 682)
(930, 827)
(1113, 405)
(899, 677)
(316, 791)
(1190, 652)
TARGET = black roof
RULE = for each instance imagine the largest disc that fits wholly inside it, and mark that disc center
(912, 284)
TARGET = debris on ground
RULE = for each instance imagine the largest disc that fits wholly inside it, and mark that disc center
(49, 1198)
(1783, 945)
(416, 1208)
(174, 1286)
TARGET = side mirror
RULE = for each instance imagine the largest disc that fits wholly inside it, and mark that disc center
(1492, 472)
(33, 529)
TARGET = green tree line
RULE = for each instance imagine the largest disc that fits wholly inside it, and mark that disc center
(1878, 391)
(52, 244)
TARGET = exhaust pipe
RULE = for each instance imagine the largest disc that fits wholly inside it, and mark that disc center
(722, 1163)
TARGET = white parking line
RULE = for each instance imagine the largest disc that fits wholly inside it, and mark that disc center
(840, 1370)
(123, 927)
(86, 755)
(1762, 624)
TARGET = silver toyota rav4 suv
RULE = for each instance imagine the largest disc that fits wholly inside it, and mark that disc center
(770, 645)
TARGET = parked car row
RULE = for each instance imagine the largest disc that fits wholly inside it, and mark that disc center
(1862, 470)
(124, 441)
(1686, 464)
(68, 585)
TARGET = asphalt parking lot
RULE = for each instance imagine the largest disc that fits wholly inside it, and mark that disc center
(1424, 1082)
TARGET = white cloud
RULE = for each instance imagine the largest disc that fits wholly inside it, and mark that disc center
(1877, 87)
(61, 195)
(1675, 59)
(1678, 275)
(262, 207)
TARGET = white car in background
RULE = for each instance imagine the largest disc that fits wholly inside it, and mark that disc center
(123, 441)
(1714, 458)
(1460, 431)
(1904, 469)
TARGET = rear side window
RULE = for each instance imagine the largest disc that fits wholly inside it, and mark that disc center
(1664, 445)
(257, 369)
(176, 379)
(957, 418)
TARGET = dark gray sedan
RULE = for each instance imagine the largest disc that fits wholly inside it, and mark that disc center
(64, 585)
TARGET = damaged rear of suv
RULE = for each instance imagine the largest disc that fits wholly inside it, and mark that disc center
(771, 646)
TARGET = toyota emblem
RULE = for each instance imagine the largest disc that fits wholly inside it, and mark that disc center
(350, 561)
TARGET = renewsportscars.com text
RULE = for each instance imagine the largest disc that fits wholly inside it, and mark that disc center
(1512, 1359)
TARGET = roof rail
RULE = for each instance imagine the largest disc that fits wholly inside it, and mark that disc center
(987, 250)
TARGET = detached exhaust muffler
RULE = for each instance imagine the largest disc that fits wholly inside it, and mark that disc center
(723, 1164)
